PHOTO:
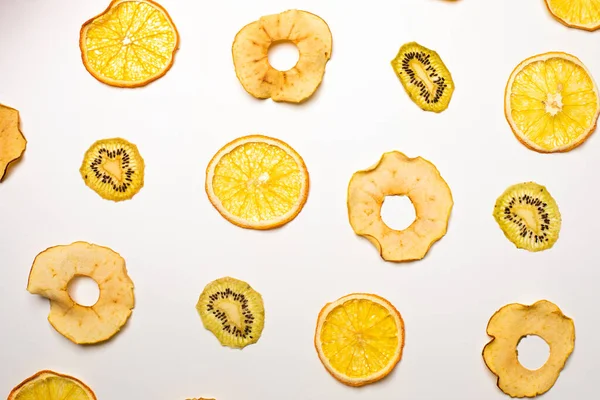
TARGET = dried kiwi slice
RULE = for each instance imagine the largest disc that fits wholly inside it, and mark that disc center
(114, 169)
(529, 216)
(232, 311)
(424, 76)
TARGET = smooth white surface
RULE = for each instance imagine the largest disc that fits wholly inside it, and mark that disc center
(175, 242)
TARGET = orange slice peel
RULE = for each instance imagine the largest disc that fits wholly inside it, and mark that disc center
(257, 182)
(359, 338)
(130, 44)
(551, 102)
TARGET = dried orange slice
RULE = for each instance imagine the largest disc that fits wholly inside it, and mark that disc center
(551, 102)
(359, 338)
(257, 182)
(130, 44)
(47, 385)
(581, 14)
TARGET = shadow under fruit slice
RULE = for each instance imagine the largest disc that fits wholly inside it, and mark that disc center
(12, 141)
(581, 14)
(398, 175)
(512, 323)
(51, 273)
(49, 385)
(130, 44)
(424, 77)
(233, 311)
(528, 216)
(257, 182)
(250, 51)
(551, 102)
(114, 169)
(359, 338)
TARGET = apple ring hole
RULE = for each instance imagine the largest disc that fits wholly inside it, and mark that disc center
(398, 212)
(83, 290)
(533, 352)
(283, 55)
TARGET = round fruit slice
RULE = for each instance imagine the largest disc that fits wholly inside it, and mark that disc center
(424, 77)
(49, 385)
(581, 14)
(51, 273)
(114, 169)
(529, 216)
(250, 52)
(232, 311)
(359, 338)
(130, 44)
(551, 102)
(12, 141)
(257, 182)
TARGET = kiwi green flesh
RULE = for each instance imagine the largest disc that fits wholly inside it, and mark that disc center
(113, 168)
(424, 77)
(529, 216)
(233, 311)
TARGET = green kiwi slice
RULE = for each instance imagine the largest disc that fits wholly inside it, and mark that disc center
(233, 311)
(113, 168)
(529, 216)
(424, 77)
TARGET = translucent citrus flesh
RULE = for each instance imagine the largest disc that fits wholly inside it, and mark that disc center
(132, 42)
(553, 103)
(359, 338)
(52, 388)
(258, 181)
(583, 13)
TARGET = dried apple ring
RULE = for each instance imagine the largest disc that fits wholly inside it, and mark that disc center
(508, 326)
(250, 51)
(398, 175)
(51, 273)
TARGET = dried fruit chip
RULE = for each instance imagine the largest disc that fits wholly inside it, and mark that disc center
(114, 169)
(528, 216)
(130, 44)
(512, 323)
(250, 55)
(551, 102)
(51, 273)
(49, 385)
(257, 182)
(233, 311)
(359, 338)
(396, 174)
(581, 14)
(424, 77)
(12, 141)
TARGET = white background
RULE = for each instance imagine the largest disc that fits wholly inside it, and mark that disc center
(174, 242)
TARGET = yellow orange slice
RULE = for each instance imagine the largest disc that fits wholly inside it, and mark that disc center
(257, 182)
(359, 338)
(551, 102)
(130, 44)
(581, 14)
(49, 385)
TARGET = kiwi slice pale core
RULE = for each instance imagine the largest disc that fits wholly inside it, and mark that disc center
(529, 216)
(233, 311)
(424, 77)
(114, 169)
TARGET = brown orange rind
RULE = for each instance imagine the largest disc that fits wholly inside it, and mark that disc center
(12, 141)
(51, 273)
(250, 51)
(508, 326)
(398, 175)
